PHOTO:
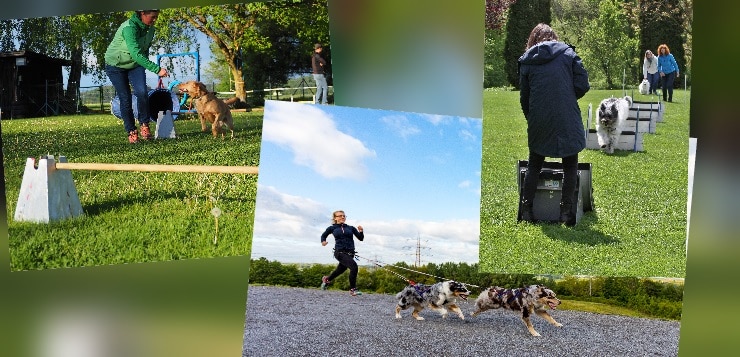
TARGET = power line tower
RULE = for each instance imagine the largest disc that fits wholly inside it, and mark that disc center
(417, 247)
(417, 263)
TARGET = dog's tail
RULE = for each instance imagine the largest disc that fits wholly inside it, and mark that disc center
(231, 101)
(629, 100)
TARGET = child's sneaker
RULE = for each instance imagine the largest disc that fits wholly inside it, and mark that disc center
(354, 292)
(324, 282)
(133, 137)
(145, 133)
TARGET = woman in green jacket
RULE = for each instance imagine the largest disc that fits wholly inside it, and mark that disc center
(126, 62)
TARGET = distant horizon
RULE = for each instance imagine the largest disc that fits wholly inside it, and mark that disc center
(402, 176)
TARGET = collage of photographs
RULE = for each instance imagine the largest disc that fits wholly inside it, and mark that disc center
(376, 178)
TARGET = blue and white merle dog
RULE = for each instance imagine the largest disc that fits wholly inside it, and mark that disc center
(441, 297)
(531, 299)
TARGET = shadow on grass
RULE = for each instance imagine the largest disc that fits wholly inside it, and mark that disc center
(105, 206)
(581, 233)
(622, 153)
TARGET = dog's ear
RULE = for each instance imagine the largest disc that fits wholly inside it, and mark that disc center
(202, 87)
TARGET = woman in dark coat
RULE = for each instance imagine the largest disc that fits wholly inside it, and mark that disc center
(552, 79)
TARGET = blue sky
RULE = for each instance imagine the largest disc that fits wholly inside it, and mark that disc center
(402, 176)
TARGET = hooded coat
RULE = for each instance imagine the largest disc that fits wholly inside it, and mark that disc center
(552, 79)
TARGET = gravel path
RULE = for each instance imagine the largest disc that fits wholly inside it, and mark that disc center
(310, 322)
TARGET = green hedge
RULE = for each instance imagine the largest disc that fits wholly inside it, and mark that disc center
(648, 296)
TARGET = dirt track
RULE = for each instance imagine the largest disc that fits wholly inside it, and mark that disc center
(311, 322)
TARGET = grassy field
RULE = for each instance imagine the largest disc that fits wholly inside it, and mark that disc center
(132, 217)
(638, 225)
(598, 308)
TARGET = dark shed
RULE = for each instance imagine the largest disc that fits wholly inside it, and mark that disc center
(31, 85)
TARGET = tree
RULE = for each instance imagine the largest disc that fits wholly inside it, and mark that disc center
(89, 36)
(78, 38)
(608, 46)
(496, 13)
(257, 38)
(523, 17)
(7, 34)
(666, 22)
(228, 26)
(496, 17)
(568, 17)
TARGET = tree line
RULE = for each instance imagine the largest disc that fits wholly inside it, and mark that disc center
(648, 296)
(255, 44)
(611, 36)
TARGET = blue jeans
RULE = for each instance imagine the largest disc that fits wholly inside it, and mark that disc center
(654, 79)
(124, 80)
(322, 90)
(668, 85)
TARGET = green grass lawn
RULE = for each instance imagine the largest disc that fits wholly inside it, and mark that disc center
(132, 217)
(638, 225)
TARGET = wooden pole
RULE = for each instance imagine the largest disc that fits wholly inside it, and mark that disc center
(158, 168)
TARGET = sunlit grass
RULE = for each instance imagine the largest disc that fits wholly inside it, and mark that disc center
(638, 226)
(132, 217)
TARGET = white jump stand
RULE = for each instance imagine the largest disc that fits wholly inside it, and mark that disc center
(628, 141)
(165, 125)
(47, 194)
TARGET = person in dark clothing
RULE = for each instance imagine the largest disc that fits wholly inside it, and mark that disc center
(318, 66)
(344, 250)
(552, 79)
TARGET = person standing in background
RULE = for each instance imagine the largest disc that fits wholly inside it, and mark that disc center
(650, 71)
(126, 62)
(318, 65)
(668, 69)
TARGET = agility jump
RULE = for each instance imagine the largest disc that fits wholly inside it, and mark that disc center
(48, 192)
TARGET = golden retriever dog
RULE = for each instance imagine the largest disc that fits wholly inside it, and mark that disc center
(210, 108)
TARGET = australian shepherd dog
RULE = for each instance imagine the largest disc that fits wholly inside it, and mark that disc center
(527, 300)
(441, 297)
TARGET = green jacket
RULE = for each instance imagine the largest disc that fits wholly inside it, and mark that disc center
(130, 46)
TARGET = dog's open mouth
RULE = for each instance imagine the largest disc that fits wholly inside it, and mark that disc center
(553, 304)
(464, 296)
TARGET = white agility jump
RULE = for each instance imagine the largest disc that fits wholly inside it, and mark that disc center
(48, 192)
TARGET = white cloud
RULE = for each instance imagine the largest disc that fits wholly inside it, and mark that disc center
(436, 118)
(401, 125)
(287, 228)
(313, 138)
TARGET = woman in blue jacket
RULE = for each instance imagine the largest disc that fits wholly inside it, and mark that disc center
(668, 69)
(552, 79)
(344, 250)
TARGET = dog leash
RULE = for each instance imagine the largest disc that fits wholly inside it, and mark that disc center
(357, 257)
(411, 270)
